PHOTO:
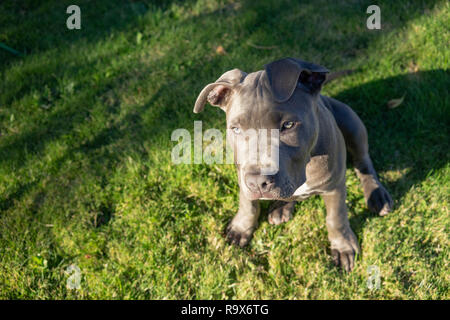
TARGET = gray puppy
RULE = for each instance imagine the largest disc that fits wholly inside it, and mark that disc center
(314, 132)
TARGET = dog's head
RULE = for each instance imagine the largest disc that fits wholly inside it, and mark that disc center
(272, 123)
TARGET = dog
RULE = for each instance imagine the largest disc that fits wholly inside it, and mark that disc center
(314, 132)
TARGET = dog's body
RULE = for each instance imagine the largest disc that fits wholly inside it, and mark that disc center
(314, 133)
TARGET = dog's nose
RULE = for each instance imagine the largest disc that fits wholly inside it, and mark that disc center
(259, 183)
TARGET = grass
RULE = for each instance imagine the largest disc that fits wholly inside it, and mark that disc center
(85, 170)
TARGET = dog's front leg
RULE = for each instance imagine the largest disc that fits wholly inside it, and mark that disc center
(244, 223)
(344, 245)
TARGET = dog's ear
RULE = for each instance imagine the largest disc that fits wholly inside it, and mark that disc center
(217, 93)
(286, 74)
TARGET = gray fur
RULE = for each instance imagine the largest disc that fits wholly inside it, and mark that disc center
(312, 154)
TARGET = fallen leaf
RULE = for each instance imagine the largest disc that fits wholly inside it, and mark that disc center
(394, 103)
(220, 50)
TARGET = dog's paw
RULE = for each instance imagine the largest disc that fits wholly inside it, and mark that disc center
(280, 213)
(344, 250)
(379, 200)
(237, 235)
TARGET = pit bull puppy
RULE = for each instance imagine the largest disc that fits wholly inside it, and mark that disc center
(314, 133)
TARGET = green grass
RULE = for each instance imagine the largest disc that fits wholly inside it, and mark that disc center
(85, 170)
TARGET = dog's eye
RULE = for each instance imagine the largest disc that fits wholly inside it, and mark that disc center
(287, 125)
(236, 130)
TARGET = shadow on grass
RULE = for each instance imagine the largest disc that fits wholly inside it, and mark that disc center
(45, 22)
(410, 141)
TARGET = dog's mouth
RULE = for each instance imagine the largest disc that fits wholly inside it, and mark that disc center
(275, 194)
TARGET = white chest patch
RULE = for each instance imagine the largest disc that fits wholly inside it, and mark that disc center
(303, 190)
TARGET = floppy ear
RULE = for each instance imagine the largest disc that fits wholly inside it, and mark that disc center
(286, 74)
(217, 93)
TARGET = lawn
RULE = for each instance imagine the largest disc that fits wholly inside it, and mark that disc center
(86, 176)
